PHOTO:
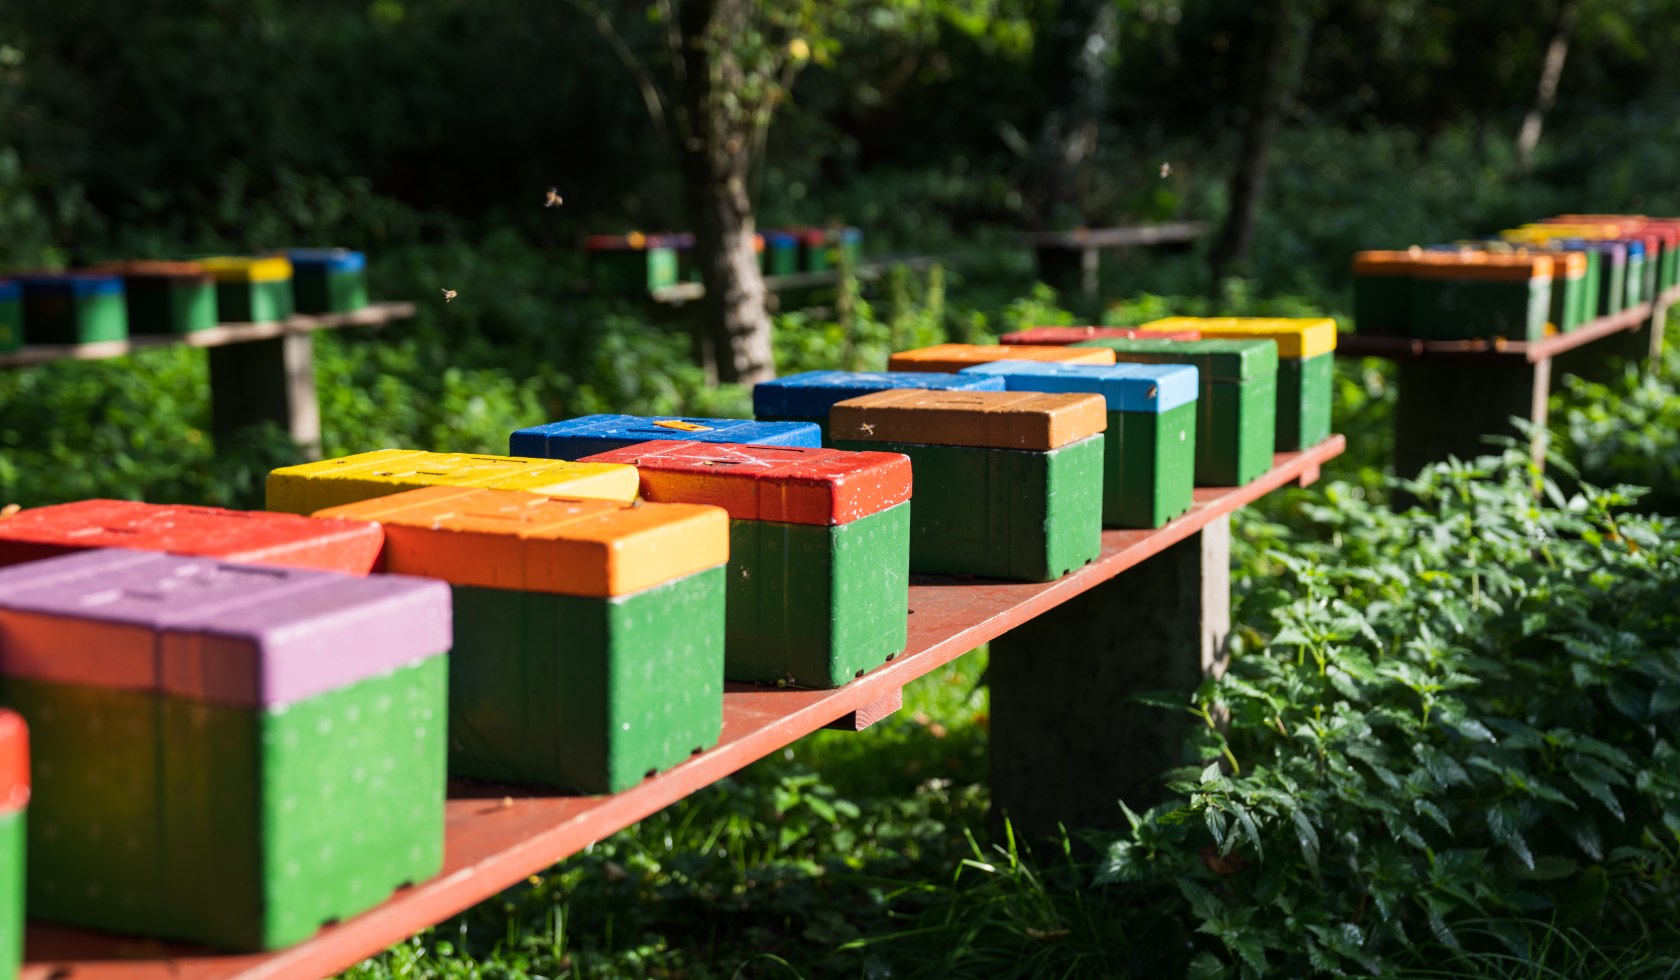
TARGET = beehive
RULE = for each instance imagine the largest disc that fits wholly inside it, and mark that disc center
(224, 754)
(252, 289)
(328, 280)
(1063, 336)
(807, 397)
(1007, 484)
(73, 308)
(1236, 408)
(589, 645)
(1306, 367)
(955, 357)
(1149, 446)
(244, 537)
(819, 551)
(309, 487)
(589, 435)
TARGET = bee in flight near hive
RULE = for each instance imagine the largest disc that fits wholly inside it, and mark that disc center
(449, 294)
(554, 200)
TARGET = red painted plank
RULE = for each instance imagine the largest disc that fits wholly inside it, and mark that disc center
(248, 537)
(499, 836)
(790, 484)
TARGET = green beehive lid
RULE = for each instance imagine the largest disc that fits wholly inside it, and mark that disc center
(1218, 360)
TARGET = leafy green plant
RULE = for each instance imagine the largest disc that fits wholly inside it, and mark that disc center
(1466, 713)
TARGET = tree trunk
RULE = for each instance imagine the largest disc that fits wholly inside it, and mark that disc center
(1076, 74)
(1551, 70)
(1281, 34)
(716, 160)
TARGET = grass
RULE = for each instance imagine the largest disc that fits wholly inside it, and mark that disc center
(774, 872)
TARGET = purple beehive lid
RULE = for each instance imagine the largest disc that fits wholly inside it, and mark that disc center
(212, 631)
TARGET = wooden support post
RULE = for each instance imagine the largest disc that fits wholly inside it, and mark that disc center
(269, 380)
(1448, 407)
(1066, 744)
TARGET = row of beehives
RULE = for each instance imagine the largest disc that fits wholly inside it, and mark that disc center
(639, 261)
(1554, 275)
(112, 301)
(243, 721)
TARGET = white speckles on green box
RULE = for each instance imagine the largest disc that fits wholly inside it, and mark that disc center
(233, 827)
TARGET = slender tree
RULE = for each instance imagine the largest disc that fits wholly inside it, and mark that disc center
(1551, 71)
(1279, 52)
(1075, 68)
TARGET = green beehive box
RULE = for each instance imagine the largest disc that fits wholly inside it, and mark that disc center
(1149, 447)
(1382, 283)
(250, 289)
(1635, 291)
(589, 634)
(1306, 349)
(73, 308)
(1236, 406)
(632, 263)
(167, 298)
(1571, 283)
(1487, 296)
(226, 755)
(328, 280)
(819, 551)
(781, 253)
(11, 316)
(14, 804)
(1008, 484)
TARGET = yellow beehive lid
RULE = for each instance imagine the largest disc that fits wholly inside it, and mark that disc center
(243, 268)
(309, 487)
(1296, 337)
(1027, 420)
(955, 357)
(527, 542)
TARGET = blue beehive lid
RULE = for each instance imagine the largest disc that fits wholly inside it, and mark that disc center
(1126, 387)
(591, 434)
(10, 291)
(74, 283)
(812, 394)
(330, 259)
(781, 239)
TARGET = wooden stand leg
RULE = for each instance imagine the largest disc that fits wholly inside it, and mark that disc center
(1066, 744)
(877, 710)
(1448, 407)
(267, 381)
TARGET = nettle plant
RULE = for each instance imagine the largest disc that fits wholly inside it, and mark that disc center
(1447, 727)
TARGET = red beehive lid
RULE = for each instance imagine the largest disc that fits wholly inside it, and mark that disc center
(250, 537)
(14, 762)
(1063, 336)
(790, 484)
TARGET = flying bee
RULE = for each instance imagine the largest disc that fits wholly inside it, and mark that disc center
(554, 200)
(449, 294)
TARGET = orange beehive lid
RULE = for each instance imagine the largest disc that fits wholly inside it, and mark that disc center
(954, 357)
(1491, 266)
(153, 269)
(509, 539)
(984, 419)
(14, 762)
(1386, 262)
(789, 484)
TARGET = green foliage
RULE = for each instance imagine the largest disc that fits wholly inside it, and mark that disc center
(1626, 430)
(1443, 724)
